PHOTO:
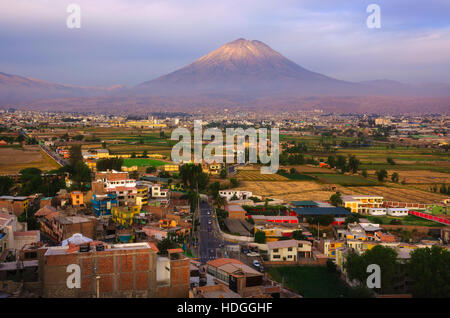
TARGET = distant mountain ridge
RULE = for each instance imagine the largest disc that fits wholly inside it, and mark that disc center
(242, 71)
(19, 89)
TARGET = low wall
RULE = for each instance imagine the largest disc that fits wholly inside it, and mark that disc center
(300, 262)
(421, 229)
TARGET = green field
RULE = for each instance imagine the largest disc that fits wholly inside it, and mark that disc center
(297, 176)
(344, 179)
(142, 162)
(407, 220)
(311, 281)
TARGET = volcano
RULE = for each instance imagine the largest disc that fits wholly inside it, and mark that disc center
(245, 67)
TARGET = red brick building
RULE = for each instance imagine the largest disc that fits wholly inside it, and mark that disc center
(122, 270)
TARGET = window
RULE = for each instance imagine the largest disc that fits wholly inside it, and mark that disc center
(276, 256)
(289, 256)
(275, 250)
(290, 249)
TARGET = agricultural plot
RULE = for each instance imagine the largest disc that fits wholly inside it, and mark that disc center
(255, 175)
(142, 162)
(288, 191)
(423, 177)
(12, 160)
(345, 180)
(397, 194)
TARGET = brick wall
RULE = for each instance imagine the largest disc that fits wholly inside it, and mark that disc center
(123, 273)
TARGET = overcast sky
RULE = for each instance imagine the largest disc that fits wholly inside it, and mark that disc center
(131, 41)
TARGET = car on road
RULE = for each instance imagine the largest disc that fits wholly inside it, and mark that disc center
(256, 263)
(209, 212)
(252, 254)
(209, 229)
(209, 222)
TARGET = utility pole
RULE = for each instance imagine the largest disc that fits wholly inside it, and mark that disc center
(98, 286)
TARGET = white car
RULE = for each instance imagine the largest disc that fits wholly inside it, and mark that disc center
(252, 254)
(256, 263)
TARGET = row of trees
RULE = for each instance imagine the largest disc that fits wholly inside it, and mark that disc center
(428, 269)
(341, 163)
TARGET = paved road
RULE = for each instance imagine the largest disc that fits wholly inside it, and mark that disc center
(210, 240)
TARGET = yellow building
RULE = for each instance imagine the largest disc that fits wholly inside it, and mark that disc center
(329, 247)
(171, 168)
(142, 195)
(124, 215)
(77, 197)
(362, 203)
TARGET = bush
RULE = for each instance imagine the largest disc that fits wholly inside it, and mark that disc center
(396, 222)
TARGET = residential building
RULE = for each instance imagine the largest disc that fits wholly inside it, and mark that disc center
(235, 211)
(288, 250)
(77, 197)
(362, 203)
(398, 212)
(120, 270)
(14, 204)
(103, 203)
(124, 215)
(239, 195)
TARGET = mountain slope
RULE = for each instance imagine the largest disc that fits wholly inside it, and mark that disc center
(243, 66)
(18, 89)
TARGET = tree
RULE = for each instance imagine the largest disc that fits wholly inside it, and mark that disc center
(234, 182)
(390, 161)
(395, 177)
(223, 173)
(144, 154)
(297, 235)
(75, 155)
(386, 257)
(331, 266)
(364, 173)
(352, 218)
(336, 199)
(331, 161)
(150, 169)
(192, 176)
(381, 175)
(133, 155)
(166, 244)
(81, 175)
(260, 237)
(110, 164)
(353, 163)
(5, 184)
(429, 269)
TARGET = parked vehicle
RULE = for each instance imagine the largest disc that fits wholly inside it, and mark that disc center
(261, 269)
(253, 254)
(256, 263)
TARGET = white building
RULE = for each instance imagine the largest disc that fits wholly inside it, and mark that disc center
(159, 193)
(399, 212)
(241, 195)
(377, 211)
